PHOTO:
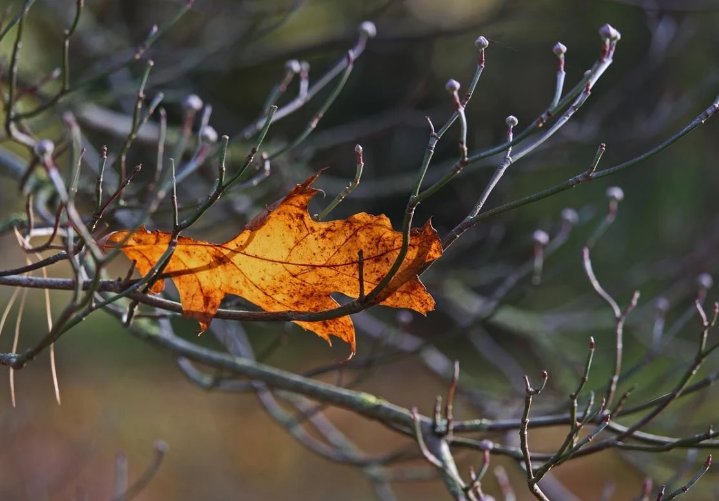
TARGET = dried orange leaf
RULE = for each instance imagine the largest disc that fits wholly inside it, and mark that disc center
(285, 261)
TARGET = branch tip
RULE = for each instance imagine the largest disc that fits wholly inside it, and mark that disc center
(481, 43)
(368, 29)
(559, 49)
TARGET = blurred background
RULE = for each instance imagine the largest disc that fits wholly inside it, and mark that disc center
(120, 395)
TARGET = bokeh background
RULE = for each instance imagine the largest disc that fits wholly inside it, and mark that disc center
(120, 395)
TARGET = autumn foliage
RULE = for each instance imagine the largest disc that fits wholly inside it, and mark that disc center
(284, 260)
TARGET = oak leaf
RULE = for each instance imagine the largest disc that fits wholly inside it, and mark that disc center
(284, 260)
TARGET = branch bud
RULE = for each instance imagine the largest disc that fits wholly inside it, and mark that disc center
(293, 65)
(615, 193)
(570, 216)
(44, 148)
(540, 238)
(368, 29)
(404, 318)
(608, 32)
(208, 134)
(486, 445)
(559, 49)
(192, 102)
(481, 43)
(452, 85)
(705, 281)
(661, 304)
(161, 446)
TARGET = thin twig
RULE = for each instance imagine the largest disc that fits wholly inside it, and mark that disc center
(684, 488)
(349, 188)
(529, 393)
(139, 485)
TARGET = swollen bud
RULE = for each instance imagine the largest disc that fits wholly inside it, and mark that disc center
(192, 102)
(208, 134)
(607, 32)
(44, 148)
(559, 49)
(570, 216)
(705, 281)
(661, 304)
(404, 318)
(540, 237)
(368, 29)
(481, 43)
(452, 85)
(615, 193)
(293, 65)
(511, 121)
(162, 447)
